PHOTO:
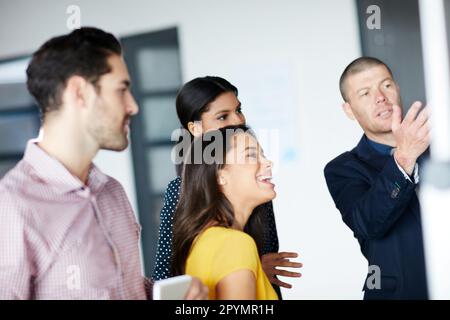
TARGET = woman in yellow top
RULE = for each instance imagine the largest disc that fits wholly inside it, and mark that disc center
(226, 179)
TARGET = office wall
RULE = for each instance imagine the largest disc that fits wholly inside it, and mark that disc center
(307, 43)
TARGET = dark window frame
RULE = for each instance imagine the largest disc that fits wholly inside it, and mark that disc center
(147, 199)
(31, 109)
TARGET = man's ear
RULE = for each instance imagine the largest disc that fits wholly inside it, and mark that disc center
(348, 110)
(195, 128)
(76, 91)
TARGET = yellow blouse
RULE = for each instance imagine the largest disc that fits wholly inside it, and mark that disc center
(218, 252)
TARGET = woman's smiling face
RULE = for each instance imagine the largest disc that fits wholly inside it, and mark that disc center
(246, 176)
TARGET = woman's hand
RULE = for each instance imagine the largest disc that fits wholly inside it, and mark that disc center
(271, 261)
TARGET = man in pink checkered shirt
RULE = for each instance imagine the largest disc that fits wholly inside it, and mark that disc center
(67, 230)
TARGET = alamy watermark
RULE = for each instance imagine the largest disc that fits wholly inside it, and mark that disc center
(73, 281)
(374, 20)
(373, 280)
(74, 19)
(191, 150)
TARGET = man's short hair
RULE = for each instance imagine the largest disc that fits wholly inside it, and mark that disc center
(357, 66)
(83, 52)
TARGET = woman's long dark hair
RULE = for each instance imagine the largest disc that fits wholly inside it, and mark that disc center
(201, 200)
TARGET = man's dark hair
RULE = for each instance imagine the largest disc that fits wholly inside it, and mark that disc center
(83, 52)
(357, 66)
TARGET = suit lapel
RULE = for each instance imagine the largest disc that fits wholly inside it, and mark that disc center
(368, 155)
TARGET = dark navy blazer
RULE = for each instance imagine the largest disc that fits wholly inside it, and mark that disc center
(381, 207)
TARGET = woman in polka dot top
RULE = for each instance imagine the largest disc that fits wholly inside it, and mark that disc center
(205, 104)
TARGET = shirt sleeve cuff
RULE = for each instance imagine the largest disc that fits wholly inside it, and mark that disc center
(415, 173)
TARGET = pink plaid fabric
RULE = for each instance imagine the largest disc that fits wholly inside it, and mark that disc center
(60, 239)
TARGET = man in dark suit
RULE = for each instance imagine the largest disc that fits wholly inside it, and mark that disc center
(374, 185)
